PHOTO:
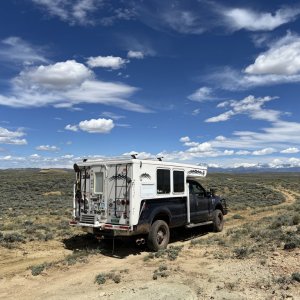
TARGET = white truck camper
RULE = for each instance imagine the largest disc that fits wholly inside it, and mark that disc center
(127, 196)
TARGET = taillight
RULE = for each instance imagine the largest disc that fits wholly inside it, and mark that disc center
(127, 202)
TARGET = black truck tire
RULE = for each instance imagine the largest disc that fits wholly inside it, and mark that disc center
(218, 220)
(159, 235)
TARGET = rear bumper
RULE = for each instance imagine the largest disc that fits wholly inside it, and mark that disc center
(104, 228)
(107, 229)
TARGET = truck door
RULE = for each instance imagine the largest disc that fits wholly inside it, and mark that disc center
(198, 202)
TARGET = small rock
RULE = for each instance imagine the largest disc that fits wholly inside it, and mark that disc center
(276, 254)
(262, 287)
(102, 294)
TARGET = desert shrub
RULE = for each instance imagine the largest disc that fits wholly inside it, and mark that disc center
(38, 269)
(282, 280)
(162, 271)
(116, 278)
(170, 253)
(289, 246)
(31, 229)
(296, 219)
(162, 267)
(28, 223)
(77, 256)
(237, 216)
(100, 278)
(14, 237)
(283, 220)
(48, 236)
(125, 271)
(296, 276)
(242, 252)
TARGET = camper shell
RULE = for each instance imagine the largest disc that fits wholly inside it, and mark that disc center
(126, 196)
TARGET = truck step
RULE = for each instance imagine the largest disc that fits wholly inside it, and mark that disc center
(192, 225)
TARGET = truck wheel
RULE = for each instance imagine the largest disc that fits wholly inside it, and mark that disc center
(218, 220)
(159, 235)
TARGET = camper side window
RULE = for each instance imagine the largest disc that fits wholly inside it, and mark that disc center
(98, 185)
(178, 181)
(163, 181)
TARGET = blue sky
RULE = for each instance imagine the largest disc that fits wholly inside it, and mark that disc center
(196, 81)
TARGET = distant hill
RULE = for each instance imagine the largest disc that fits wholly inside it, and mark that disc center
(255, 169)
(242, 169)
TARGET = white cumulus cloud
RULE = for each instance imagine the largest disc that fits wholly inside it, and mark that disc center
(250, 106)
(47, 148)
(111, 62)
(56, 76)
(203, 147)
(290, 150)
(243, 152)
(283, 58)
(242, 18)
(93, 126)
(222, 117)
(220, 138)
(202, 94)
(135, 54)
(184, 139)
(12, 137)
(71, 127)
(97, 125)
(264, 151)
(65, 85)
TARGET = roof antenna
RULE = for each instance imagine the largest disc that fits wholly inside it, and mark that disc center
(160, 158)
(84, 160)
(134, 155)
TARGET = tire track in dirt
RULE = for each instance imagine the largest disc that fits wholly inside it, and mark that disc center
(249, 215)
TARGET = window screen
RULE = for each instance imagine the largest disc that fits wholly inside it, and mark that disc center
(98, 185)
(178, 181)
(163, 181)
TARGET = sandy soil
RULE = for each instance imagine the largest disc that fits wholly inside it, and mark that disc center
(196, 274)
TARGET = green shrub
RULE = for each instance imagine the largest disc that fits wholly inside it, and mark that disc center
(162, 271)
(162, 268)
(100, 278)
(14, 237)
(296, 276)
(296, 219)
(237, 216)
(242, 252)
(171, 253)
(116, 278)
(38, 269)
